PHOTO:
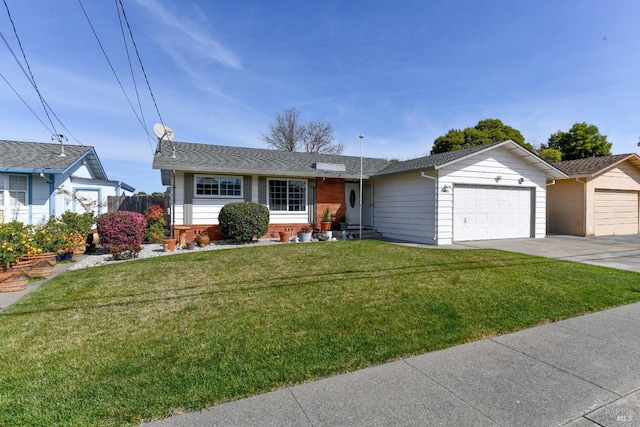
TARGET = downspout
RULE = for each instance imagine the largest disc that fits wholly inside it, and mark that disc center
(435, 214)
(173, 200)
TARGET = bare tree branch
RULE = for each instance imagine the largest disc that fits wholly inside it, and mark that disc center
(288, 134)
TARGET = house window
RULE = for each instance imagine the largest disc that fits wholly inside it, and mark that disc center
(218, 186)
(288, 195)
(18, 189)
(1, 191)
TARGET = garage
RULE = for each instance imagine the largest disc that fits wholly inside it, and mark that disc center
(491, 212)
(615, 212)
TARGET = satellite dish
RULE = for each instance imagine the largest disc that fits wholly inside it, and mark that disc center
(163, 132)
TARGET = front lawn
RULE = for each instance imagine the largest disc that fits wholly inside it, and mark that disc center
(117, 344)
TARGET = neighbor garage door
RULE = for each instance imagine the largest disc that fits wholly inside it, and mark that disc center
(481, 213)
(615, 212)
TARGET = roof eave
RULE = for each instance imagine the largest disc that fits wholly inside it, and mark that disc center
(318, 174)
(31, 170)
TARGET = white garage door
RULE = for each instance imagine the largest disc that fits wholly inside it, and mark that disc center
(615, 212)
(481, 213)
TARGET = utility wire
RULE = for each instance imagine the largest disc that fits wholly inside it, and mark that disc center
(124, 14)
(32, 79)
(27, 105)
(45, 105)
(133, 76)
(112, 69)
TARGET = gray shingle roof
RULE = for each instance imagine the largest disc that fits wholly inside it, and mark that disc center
(36, 156)
(433, 161)
(226, 159)
(593, 165)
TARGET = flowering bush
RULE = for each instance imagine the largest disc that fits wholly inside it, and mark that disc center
(72, 241)
(122, 233)
(15, 240)
(48, 238)
(81, 223)
(155, 224)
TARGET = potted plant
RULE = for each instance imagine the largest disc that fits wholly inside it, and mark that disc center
(304, 234)
(203, 239)
(343, 218)
(326, 220)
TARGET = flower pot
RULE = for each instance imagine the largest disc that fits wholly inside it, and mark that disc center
(203, 240)
(13, 279)
(80, 250)
(284, 236)
(41, 265)
(169, 244)
(304, 236)
(325, 225)
(64, 256)
(343, 226)
(191, 245)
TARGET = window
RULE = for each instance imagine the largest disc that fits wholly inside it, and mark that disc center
(18, 189)
(218, 186)
(288, 195)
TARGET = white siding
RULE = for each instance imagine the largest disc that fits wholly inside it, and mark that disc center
(206, 210)
(496, 167)
(404, 207)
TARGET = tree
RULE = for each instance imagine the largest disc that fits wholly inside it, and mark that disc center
(551, 155)
(582, 141)
(287, 133)
(485, 132)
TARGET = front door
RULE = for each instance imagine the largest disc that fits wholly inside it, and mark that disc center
(352, 202)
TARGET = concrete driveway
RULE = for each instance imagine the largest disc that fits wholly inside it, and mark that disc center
(622, 252)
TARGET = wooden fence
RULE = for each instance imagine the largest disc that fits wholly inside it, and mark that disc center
(139, 204)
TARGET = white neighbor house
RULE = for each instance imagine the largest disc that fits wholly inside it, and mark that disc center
(493, 191)
(38, 182)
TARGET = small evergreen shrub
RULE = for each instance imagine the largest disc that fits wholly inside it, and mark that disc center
(243, 221)
(77, 222)
(122, 233)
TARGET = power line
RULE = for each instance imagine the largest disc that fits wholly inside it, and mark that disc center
(95, 34)
(25, 103)
(45, 105)
(32, 79)
(133, 41)
(133, 76)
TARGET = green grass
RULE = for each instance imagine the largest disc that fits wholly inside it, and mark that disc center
(117, 344)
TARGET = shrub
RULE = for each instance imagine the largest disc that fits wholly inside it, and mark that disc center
(122, 233)
(155, 224)
(47, 238)
(243, 221)
(76, 222)
(14, 241)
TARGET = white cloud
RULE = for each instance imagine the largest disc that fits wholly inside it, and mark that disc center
(190, 37)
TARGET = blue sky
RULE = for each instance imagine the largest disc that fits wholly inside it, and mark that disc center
(401, 73)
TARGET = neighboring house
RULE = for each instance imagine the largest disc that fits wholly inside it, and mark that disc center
(600, 197)
(40, 180)
(488, 192)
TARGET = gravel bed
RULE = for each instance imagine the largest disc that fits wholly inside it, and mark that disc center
(150, 250)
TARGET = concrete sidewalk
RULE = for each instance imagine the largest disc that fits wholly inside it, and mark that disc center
(579, 372)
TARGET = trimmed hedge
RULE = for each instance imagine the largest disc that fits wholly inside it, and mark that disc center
(243, 221)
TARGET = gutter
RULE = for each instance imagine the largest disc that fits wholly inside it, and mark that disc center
(435, 214)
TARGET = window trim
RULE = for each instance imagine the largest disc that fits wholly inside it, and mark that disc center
(287, 180)
(217, 196)
(10, 191)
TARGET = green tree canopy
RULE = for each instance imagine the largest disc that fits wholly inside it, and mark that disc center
(581, 142)
(485, 132)
(551, 155)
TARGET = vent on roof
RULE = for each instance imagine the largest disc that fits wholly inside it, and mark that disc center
(334, 167)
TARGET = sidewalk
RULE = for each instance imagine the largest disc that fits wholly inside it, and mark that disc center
(579, 372)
